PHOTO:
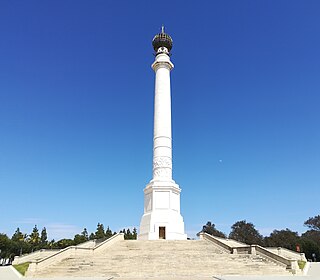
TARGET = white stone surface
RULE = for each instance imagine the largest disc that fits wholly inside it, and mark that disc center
(35, 256)
(162, 194)
(160, 259)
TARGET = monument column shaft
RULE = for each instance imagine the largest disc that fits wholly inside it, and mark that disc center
(162, 218)
(162, 143)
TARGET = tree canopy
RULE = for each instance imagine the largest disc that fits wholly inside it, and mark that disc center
(283, 238)
(308, 242)
(246, 233)
(313, 223)
(18, 236)
(22, 243)
(34, 237)
(100, 231)
(210, 228)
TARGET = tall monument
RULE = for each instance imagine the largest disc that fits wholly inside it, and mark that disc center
(162, 218)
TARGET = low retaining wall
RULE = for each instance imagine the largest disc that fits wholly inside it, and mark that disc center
(224, 247)
(71, 252)
(287, 253)
(35, 256)
(289, 264)
(272, 256)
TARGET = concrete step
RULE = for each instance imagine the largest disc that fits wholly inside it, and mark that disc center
(144, 259)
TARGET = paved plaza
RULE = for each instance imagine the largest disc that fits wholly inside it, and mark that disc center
(8, 273)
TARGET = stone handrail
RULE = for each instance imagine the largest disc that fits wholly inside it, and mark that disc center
(241, 250)
(71, 251)
(287, 253)
(291, 265)
(87, 244)
(107, 243)
(34, 255)
(221, 245)
(64, 253)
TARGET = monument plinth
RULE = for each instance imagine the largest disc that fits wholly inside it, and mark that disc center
(162, 218)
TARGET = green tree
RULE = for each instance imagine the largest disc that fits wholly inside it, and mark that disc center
(78, 239)
(81, 238)
(108, 232)
(18, 236)
(34, 238)
(127, 234)
(246, 233)
(84, 233)
(100, 231)
(5, 246)
(51, 244)
(313, 223)
(63, 243)
(311, 239)
(210, 228)
(310, 243)
(313, 235)
(134, 233)
(283, 238)
(19, 244)
(44, 238)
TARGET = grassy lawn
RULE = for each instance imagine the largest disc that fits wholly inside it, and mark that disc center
(22, 267)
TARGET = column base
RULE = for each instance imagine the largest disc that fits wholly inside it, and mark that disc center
(162, 218)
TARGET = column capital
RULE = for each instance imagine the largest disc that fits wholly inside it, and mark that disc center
(162, 60)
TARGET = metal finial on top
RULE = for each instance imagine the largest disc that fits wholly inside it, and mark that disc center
(162, 40)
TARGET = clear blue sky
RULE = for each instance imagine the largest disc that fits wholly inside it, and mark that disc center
(76, 112)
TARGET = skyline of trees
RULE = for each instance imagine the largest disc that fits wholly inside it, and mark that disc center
(242, 231)
(245, 232)
(22, 243)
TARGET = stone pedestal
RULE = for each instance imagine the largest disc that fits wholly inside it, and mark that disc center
(162, 210)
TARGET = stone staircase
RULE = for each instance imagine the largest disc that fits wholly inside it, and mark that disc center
(161, 259)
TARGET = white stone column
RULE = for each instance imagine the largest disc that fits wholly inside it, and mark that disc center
(162, 143)
(162, 218)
